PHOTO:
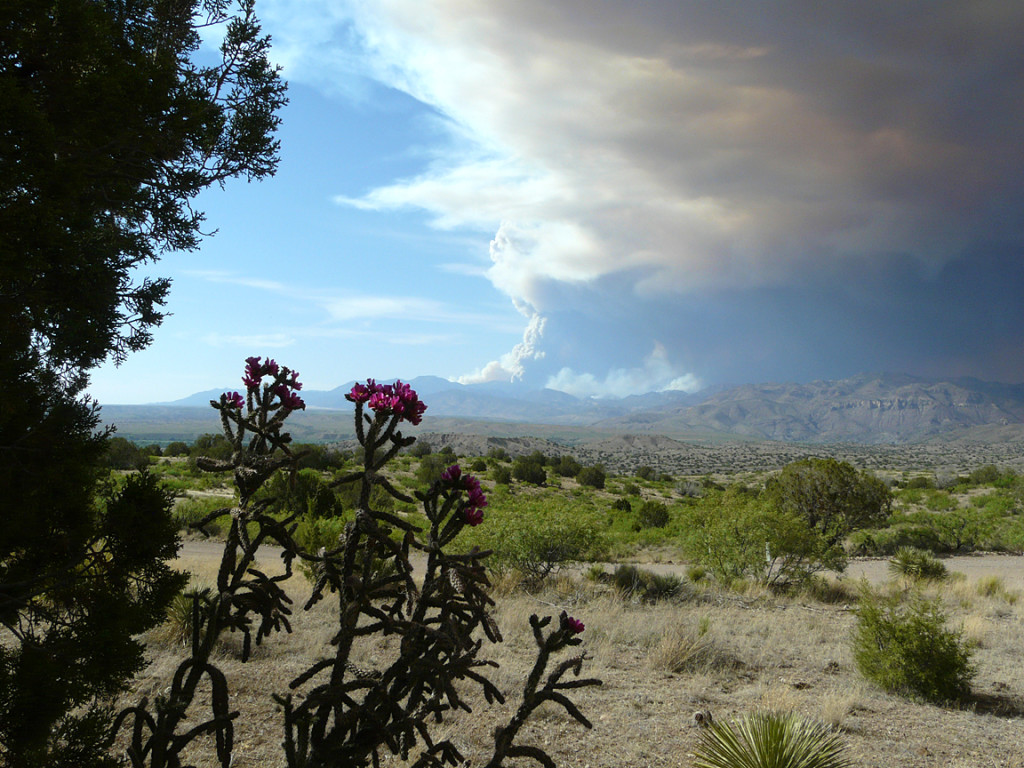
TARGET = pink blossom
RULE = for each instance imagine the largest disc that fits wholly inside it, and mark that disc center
(574, 625)
(474, 516)
(233, 399)
(271, 367)
(452, 473)
(289, 399)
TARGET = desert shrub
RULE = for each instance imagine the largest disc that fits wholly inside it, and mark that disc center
(592, 476)
(771, 740)
(478, 465)
(419, 450)
(920, 482)
(498, 454)
(124, 454)
(540, 535)
(430, 468)
(830, 591)
(831, 496)
(622, 505)
(631, 581)
(529, 470)
(567, 466)
(192, 510)
(735, 534)
(907, 648)
(986, 475)
(645, 472)
(630, 489)
(690, 489)
(917, 565)
(176, 448)
(502, 475)
(940, 501)
(653, 514)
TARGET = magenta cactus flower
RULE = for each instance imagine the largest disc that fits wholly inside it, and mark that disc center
(452, 473)
(233, 399)
(473, 516)
(574, 625)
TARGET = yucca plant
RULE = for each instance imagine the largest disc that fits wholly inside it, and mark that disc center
(771, 740)
(917, 564)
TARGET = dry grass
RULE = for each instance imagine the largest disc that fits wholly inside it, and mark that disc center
(726, 652)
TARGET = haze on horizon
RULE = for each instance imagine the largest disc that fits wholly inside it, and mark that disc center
(617, 198)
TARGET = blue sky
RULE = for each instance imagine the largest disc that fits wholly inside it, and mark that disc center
(616, 197)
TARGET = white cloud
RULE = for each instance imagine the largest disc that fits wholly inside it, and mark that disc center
(656, 374)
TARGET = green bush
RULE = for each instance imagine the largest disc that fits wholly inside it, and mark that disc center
(478, 465)
(529, 471)
(771, 740)
(631, 489)
(622, 505)
(907, 648)
(645, 473)
(736, 534)
(567, 466)
(653, 514)
(591, 476)
(502, 475)
(537, 536)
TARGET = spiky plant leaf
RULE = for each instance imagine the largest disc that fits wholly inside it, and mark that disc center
(771, 740)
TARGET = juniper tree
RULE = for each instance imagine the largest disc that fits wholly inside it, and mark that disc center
(108, 131)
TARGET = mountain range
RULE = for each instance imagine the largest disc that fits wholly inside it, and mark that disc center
(872, 409)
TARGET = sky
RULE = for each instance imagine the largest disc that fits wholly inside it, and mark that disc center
(610, 197)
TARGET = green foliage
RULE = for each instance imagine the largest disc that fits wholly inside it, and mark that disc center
(212, 446)
(771, 740)
(592, 476)
(917, 565)
(831, 496)
(622, 504)
(176, 448)
(631, 489)
(502, 475)
(736, 534)
(124, 454)
(986, 475)
(478, 465)
(498, 454)
(645, 472)
(419, 450)
(567, 466)
(538, 535)
(653, 514)
(907, 648)
(109, 131)
(430, 468)
(529, 470)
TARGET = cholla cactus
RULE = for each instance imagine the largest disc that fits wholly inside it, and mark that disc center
(338, 713)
